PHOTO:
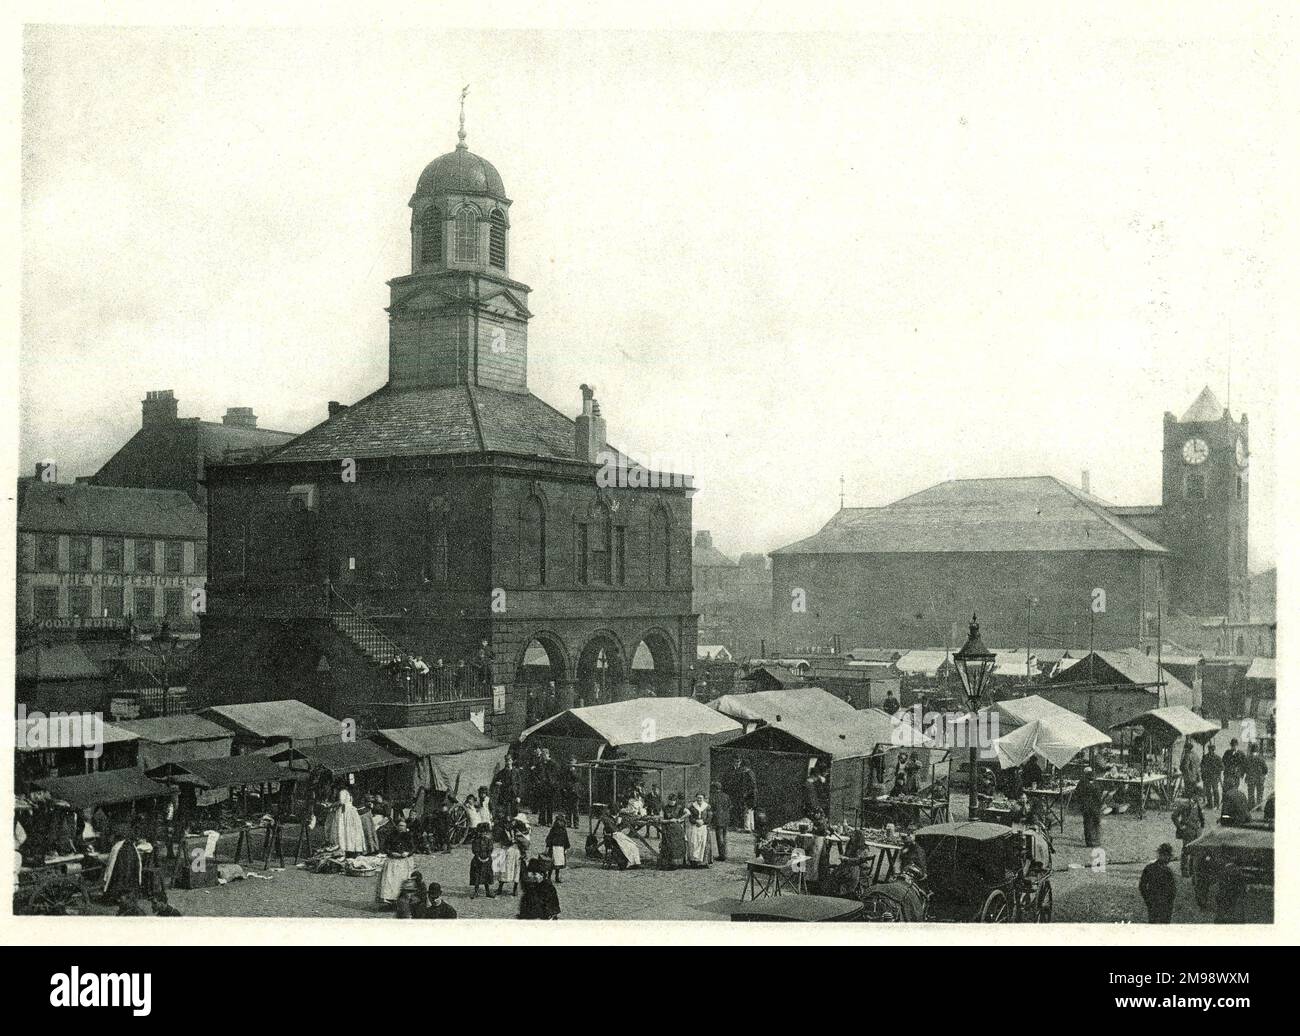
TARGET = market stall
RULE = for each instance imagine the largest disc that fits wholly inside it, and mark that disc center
(252, 799)
(851, 747)
(69, 746)
(1040, 729)
(166, 739)
(648, 730)
(1156, 776)
(271, 725)
(759, 708)
(453, 757)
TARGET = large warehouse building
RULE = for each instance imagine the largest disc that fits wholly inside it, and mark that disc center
(1029, 554)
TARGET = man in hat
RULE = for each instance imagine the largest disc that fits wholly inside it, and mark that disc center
(1234, 766)
(1235, 810)
(1088, 796)
(1158, 886)
(438, 909)
(1190, 766)
(1211, 775)
(1189, 822)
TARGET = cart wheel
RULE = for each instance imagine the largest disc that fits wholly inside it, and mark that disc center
(1045, 901)
(459, 818)
(880, 908)
(995, 909)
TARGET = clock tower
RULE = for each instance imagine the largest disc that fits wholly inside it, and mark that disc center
(1206, 506)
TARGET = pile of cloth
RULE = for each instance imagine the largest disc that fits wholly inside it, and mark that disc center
(332, 860)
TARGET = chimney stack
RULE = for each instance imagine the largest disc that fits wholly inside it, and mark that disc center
(1086, 481)
(159, 407)
(589, 428)
(704, 538)
(240, 417)
(336, 407)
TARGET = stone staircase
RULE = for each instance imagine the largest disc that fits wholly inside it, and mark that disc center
(363, 634)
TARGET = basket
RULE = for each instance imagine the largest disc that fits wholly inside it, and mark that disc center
(776, 854)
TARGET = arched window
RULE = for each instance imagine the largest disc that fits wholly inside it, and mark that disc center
(497, 240)
(532, 543)
(660, 554)
(431, 236)
(467, 236)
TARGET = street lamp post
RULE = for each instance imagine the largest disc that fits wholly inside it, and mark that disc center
(974, 663)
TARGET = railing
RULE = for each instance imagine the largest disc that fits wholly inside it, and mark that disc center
(440, 684)
(361, 631)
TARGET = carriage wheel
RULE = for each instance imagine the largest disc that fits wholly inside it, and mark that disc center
(880, 908)
(995, 908)
(459, 829)
(1045, 902)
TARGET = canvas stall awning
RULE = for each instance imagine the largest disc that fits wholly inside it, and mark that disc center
(105, 788)
(166, 739)
(287, 720)
(811, 703)
(231, 772)
(924, 662)
(454, 757)
(1172, 722)
(636, 721)
(338, 758)
(1044, 729)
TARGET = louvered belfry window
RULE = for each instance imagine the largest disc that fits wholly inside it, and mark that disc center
(497, 240)
(431, 236)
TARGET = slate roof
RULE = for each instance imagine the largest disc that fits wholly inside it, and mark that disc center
(985, 515)
(68, 661)
(1206, 407)
(449, 420)
(82, 508)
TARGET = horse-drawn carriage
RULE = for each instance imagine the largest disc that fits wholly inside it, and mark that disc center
(976, 871)
(1247, 847)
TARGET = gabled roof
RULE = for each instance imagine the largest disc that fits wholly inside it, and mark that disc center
(1262, 669)
(33, 734)
(422, 422)
(804, 704)
(627, 722)
(68, 661)
(438, 739)
(272, 720)
(925, 662)
(851, 734)
(170, 730)
(79, 507)
(706, 555)
(1173, 721)
(983, 515)
(105, 788)
(1134, 667)
(1206, 407)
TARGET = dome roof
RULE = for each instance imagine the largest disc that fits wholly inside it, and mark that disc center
(461, 172)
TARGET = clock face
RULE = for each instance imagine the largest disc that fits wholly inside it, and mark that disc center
(1241, 454)
(1195, 451)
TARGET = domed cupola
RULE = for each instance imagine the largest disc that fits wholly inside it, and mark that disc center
(460, 213)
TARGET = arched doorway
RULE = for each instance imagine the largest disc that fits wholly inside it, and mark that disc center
(654, 665)
(601, 672)
(541, 677)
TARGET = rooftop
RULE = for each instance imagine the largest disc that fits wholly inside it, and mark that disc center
(1036, 513)
(83, 508)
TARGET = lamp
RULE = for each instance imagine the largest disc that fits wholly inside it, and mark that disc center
(974, 664)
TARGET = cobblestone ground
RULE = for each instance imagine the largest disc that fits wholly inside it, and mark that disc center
(589, 892)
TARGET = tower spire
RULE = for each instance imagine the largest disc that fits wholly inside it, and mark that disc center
(461, 134)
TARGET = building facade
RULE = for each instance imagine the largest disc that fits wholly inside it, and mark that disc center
(92, 558)
(450, 515)
(1037, 558)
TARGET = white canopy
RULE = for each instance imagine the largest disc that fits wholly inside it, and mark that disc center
(1046, 730)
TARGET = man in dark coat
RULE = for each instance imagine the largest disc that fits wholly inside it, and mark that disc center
(1235, 810)
(1234, 766)
(1211, 775)
(1256, 771)
(720, 819)
(1088, 796)
(1158, 886)
(438, 909)
(505, 790)
(814, 789)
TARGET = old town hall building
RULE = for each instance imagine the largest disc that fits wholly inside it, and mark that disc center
(449, 516)
(1028, 553)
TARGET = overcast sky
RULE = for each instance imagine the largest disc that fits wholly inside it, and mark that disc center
(897, 258)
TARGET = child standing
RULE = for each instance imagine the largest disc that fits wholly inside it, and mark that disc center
(557, 841)
(480, 862)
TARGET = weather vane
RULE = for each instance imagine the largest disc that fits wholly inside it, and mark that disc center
(463, 94)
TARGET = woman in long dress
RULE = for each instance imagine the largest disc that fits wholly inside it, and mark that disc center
(399, 866)
(672, 844)
(697, 833)
(628, 849)
(345, 829)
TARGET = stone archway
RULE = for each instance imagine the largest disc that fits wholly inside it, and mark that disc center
(542, 677)
(602, 670)
(655, 665)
